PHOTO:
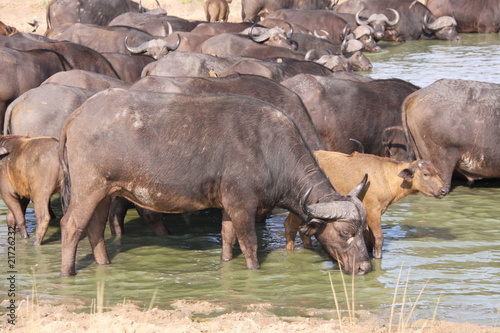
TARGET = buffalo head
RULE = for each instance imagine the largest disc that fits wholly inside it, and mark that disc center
(443, 27)
(334, 62)
(156, 48)
(339, 227)
(353, 50)
(378, 22)
(422, 176)
(272, 36)
(364, 33)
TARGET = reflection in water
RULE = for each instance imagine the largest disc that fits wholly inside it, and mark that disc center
(451, 246)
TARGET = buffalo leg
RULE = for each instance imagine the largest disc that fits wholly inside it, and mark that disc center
(73, 223)
(244, 225)
(228, 237)
(15, 215)
(374, 238)
(292, 225)
(154, 220)
(41, 204)
(95, 232)
(117, 212)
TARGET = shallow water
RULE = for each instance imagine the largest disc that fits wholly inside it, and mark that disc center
(448, 250)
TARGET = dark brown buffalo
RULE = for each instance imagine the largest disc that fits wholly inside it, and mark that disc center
(254, 10)
(481, 16)
(346, 109)
(78, 56)
(414, 20)
(24, 70)
(29, 170)
(128, 66)
(454, 124)
(248, 85)
(110, 38)
(332, 25)
(157, 24)
(388, 182)
(271, 43)
(42, 111)
(99, 12)
(178, 153)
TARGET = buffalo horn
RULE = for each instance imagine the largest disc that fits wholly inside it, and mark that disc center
(310, 55)
(262, 37)
(335, 210)
(137, 49)
(317, 35)
(289, 33)
(440, 22)
(357, 190)
(174, 47)
(396, 17)
(358, 19)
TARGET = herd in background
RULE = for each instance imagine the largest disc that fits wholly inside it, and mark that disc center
(242, 116)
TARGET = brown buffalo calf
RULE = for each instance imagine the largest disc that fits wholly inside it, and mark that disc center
(388, 181)
(29, 170)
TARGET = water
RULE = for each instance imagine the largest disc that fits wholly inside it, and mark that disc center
(447, 250)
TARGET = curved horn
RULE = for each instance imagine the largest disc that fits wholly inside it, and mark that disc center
(174, 47)
(396, 17)
(358, 20)
(362, 148)
(289, 33)
(357, 190)
(304, 206)
(345, 31)
(317, 35)
(310, 55)
(137, 49)
(169, 30)
(262, 37)
(332, 210)
(440, 22)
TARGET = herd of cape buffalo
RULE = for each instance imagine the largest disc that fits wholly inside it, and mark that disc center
(118, 106)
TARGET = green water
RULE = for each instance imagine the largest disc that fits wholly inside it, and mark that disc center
(448, 250)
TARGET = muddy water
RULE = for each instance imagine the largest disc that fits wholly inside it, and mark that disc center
(447, 250)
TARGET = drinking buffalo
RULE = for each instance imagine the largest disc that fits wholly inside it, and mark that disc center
(454, 124)
(481, 16)
(178, 153)
(404, 20)
(388, 182)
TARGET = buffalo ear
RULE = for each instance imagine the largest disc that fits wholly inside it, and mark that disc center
(311, 227)
(407, 174)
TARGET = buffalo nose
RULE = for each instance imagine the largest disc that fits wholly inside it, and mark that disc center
(444, 191)
(363, 268)
(378, 35)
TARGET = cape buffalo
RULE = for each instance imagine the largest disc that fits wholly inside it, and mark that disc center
(481, 16)
(454, 124)
(403, 20)
(348, 109)
(176, 153)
